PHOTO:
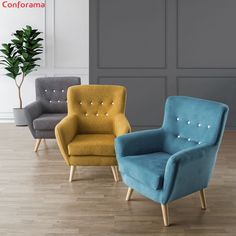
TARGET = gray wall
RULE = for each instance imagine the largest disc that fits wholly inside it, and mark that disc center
(158, 48)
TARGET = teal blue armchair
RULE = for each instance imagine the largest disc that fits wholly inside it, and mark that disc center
(176, 160)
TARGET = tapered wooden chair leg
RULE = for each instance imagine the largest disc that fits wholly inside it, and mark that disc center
(113, 168)
(72, 172)
(203, 199)
(165, 214)
(117, 173)
(129, 193)
(38, 141)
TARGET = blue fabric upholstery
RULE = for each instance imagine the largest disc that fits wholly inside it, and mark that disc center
(176, 160)
(148, 169)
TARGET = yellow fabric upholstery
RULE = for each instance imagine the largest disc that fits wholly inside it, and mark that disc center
(93, 160)
(96, 106)
(121, 125)
(95, 117)
(92, 144)
(65, 131)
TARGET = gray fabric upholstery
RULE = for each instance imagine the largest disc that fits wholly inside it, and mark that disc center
(52, 92)
(50, 106)
(32, 111)
(47, 134)
(48, 121)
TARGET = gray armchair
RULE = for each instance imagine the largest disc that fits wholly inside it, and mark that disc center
(50, 106)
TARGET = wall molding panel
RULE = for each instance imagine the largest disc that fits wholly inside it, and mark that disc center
(204, 34)
(102, 14)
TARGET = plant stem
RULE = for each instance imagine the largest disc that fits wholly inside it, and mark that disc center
(19, 94)
(19, 90)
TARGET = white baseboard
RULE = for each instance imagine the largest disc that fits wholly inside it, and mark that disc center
(6, 117)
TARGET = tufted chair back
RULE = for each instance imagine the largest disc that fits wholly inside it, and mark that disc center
(51, 91)
(191, 121)
(96, 106)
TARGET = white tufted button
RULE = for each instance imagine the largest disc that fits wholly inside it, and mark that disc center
(208, 126)
(50, 101)
(199, 142)
(102, 103)
(80, 103)
(178, 136)
(97, 114)
(63, 90)
(45, 90)
(106, 114)
(177, 118)
(58, 101)
(189, 122)
(54, 91)
(189, 139)
(86, 114)
(91, 103)
(112, 103)
(199, 125)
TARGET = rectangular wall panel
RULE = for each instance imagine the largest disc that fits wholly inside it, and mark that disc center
(71, 34)
(127, 38)
(145, 97)
(220, 89)
(206, 33)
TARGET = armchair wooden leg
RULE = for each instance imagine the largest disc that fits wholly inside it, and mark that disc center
(165, 214)
(38, 141)
(203, 199)
(129, 193)
(115, 173)
(72, 172)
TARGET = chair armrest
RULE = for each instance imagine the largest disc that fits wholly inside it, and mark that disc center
(33, 111)
(139, 142)
(65, 131)
(121, 125)
(188, 171)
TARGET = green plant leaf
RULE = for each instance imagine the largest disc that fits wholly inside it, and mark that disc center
(11, 75)
(5, 52)
(25, 55)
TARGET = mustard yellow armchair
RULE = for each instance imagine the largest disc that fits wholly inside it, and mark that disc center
(96, 116)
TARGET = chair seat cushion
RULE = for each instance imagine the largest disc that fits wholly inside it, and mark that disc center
(92, 144)
(148, 169)
(48, 121)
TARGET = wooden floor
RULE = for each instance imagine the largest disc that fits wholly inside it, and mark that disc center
(37, 199)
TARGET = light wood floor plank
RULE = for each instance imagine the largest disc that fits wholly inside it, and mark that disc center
(36, 198)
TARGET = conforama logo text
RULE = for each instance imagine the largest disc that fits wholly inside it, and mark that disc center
(19, 4)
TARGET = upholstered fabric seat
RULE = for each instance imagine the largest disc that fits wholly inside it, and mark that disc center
(50, 106)
(92, 144)
(48, 121)
(176, 160)
(148, 169)
(96, 116)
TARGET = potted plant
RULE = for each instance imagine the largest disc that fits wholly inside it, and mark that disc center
(20, 58)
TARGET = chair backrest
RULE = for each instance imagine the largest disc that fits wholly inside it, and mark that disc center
(52, 92)
(96, 106)
(192, 121)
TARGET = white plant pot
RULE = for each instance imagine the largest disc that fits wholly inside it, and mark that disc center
(19, 117)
